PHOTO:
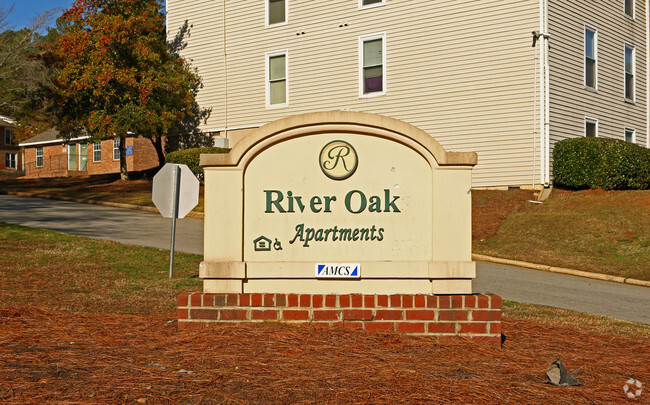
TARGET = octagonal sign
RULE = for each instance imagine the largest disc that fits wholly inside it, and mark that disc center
(163, 190)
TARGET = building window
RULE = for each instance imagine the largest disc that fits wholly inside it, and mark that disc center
(630, 135)
(629, 8)
(372, 65)
(276, 79)
(629, 72)
(97, 152)
(371, 3)
(591, 52)
(9, 137)
(591, 127)
(116, 149)
(276, 12)
(10, 160)
(39, 156)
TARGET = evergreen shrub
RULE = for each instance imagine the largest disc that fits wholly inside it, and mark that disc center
(190, 157)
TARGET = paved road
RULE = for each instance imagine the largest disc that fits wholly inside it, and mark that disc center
(511, 283)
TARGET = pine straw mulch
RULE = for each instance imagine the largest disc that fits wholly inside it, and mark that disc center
(59, 357)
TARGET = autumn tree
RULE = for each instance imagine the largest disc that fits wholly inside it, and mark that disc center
(118, 75)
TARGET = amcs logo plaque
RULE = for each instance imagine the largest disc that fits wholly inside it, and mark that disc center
(338, 160)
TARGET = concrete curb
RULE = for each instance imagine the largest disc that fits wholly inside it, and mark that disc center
(192, 214)
(561, 270)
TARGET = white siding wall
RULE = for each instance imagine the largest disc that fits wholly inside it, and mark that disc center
(462, 70)
(569, 99)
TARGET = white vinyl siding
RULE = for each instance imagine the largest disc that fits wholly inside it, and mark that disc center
(591, 58)
(277, 83)
(372, 65)
(630, 70)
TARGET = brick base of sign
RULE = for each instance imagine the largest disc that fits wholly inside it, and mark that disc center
(476, 316)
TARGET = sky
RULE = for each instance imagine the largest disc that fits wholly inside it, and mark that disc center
(25, 10)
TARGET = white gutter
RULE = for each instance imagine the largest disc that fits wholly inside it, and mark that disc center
(53, 141)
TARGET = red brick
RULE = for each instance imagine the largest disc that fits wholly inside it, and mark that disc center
(420, 301)
(457, 301)
(389, 314)
(218, 300)
(495, 301)
(382, 300)
(357, 314)
(357, 301)
(245, 300)
(232, 300)
(208, 300)
(407, 301)
(353, 325)
(396, 301)
(432, 301)
(327, 315)
(191, 325)
(470, 301)
(379, 326)
(479, 327)
(495, 328)
(257, 300)
(305, 300)
(281, 300)
(317, 301)
(483, 301)
(482, 315)
(410, 327)
(453, 315)
(182, 314)
(182, 299)
(269, 300)
(344, 301)
(444, 301)
(420, 315)
(441, 327)
(369, 301)
(206, 314)
(295, 315)
(234, 314)
(293, 300)
(264, 314)
(488, 340)
(330, 301)
(195, 299)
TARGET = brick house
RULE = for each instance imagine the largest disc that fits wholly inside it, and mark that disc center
(9, 149)
(47, 155)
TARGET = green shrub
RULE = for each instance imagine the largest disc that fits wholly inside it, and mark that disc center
(190, 157)
(609, 164)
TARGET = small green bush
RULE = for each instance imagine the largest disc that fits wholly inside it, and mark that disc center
(190, 157)
(610, 164)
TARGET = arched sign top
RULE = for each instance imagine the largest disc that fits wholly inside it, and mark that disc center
(342, 122)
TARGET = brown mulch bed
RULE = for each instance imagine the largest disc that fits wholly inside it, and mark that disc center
(59, 357)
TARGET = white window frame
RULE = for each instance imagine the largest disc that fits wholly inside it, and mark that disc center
(116, 148)
(8, 134)
(591, 121)
(267, 78)
(628, 129)
(378, 4)
(15, 160)
(97, 147)
(371, 37)
(625, 48)
(633, 9)
(39, 155)
(266, 14)
(595, 31)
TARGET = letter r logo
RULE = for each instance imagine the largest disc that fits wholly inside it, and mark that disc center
(338, 160)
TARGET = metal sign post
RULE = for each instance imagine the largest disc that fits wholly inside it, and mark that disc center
(176, 192)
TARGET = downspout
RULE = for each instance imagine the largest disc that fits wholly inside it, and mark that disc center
(225, 76)
(647, 74)
(547, 123)
(543, 94)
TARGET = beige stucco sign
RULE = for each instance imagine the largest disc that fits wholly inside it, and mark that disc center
(338, 202)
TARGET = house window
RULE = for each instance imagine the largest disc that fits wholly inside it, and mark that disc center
(629, 8)
(97, 152)
(372, 65)
(276, 79)
(10, 160)
(276, 12)
(9, 137)
(371, 3)
(116, 149)
(39, 156)
(591, 48)
(591, 127)
(630, 135)
(629, 72)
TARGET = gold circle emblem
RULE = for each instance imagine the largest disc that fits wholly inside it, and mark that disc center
(338, 160)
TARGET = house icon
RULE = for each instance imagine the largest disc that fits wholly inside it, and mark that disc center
(262, 244)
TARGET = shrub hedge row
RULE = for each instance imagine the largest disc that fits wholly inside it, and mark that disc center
(190, 157)
(610, 164)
